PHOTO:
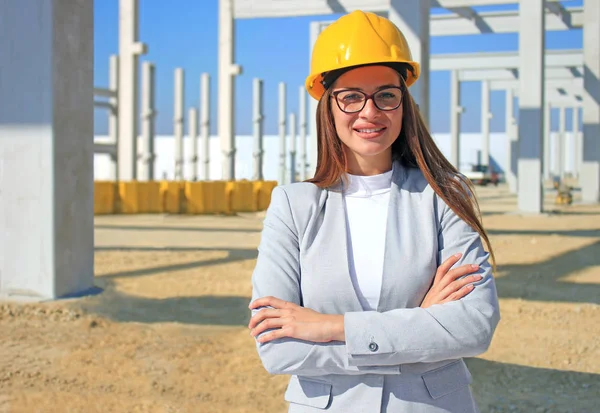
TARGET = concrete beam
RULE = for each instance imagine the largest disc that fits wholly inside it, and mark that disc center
(513, 74)
(46, 149)
(499, 22)
(569, 85)
(502, 60)
(448, 4)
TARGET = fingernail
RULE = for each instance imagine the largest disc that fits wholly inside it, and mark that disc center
(474, 266)
(457, 255)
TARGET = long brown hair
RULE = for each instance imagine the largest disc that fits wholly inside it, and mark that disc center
(414, 148)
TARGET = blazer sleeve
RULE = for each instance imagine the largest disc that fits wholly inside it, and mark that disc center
(462, 328)
(277, 273)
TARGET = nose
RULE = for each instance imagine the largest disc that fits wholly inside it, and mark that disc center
(370, 111)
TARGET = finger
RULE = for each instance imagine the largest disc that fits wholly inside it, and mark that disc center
(268, 301)
(457, 273)
(459, 294)
(274, 335)
(262, 315)
(267, 325)
(446, 265)
(458, 284)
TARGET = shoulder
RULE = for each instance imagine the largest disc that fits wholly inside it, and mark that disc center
(296, 204)
(298, 195)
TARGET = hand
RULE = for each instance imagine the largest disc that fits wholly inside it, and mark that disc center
(446, 287)
(291, 320)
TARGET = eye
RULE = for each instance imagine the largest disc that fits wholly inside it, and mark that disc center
(387, 95)
(349, 97)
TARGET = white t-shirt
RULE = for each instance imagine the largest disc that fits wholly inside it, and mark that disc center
(366, 201)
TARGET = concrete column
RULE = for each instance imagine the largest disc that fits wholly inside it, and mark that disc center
(561, 142)
(179, 100)
(315, 29)
(531, 105)
(293, 146)
(193, 135)
(485, 123)
(46, 149)
(282, 134)
(205, 124)
(148, 115)
(258, 129)
(590, 168)
(511, 143)
(455, 112)
(129, 50)
(227, 71)
(577, 154)
(303, 160)
(113, 114)
(412, 18)
(547, 166)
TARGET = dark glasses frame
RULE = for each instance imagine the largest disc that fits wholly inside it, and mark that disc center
(367, 97)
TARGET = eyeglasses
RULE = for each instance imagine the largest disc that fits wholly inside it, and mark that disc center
(353, 101)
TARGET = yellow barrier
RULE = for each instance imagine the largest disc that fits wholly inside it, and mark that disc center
(104, 197)
(206, 197)
(178, 197)
(171, 197)
(139, 197)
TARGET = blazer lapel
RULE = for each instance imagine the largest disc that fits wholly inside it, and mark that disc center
(336, 249)
(390, 287)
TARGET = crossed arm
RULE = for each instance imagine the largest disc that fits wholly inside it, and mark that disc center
(453, 321)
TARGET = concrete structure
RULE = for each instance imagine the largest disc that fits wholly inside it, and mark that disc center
(531, 105)
(258, 120)
(590, 167)
(227, 71)
(111, 92)
(193, 135)
(46, 140)
(418, 27)
(282, 134)
(148, 117)
(129, 51)
(178, 121)
(293, 147)
(205, 123)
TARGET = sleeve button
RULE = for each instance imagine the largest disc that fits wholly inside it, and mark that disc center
(373, 347)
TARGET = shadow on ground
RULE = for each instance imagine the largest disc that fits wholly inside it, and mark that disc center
(542, 281)
(505, 387)
(200, 310)
(162, 228)
(232, 256)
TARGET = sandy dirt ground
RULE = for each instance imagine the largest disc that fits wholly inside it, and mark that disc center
(167, 333)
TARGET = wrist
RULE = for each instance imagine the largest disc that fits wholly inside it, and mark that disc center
(336, 328)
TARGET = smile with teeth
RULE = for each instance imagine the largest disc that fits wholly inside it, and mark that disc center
(370, 130)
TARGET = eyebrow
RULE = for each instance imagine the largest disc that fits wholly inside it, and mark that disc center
(377, 89)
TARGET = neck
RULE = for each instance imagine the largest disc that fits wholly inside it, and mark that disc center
(373, 165)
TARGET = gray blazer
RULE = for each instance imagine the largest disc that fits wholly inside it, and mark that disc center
(400, 358)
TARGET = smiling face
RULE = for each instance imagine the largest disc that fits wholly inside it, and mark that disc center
(367, 135)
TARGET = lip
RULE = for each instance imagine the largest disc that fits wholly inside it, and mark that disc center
(370, 135)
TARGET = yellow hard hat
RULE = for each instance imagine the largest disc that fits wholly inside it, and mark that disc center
(356, 39)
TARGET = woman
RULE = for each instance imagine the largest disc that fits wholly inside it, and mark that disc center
(372, 282)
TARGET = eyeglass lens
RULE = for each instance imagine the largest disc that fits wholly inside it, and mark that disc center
(351, 101)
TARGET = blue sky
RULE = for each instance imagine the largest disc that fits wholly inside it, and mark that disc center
(184, 33)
